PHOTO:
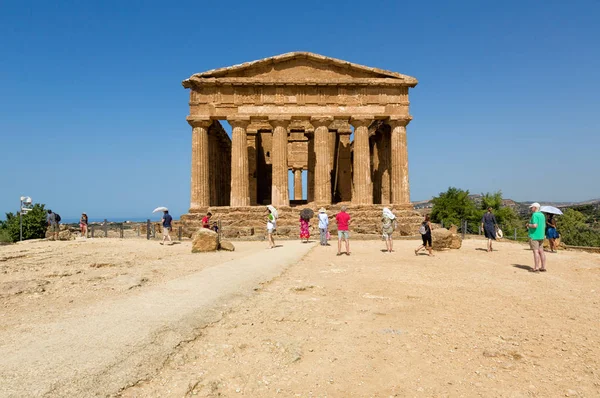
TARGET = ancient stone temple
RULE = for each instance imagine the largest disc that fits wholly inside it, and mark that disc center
(340, 124)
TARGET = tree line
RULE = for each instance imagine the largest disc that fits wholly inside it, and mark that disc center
(578, 226)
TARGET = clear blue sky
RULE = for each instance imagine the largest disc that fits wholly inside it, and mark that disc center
(92, 111)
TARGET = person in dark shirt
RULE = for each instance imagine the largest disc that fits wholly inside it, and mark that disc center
(166, 223)
(489, 226)
(53, 224)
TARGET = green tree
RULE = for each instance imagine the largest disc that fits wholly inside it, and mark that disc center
(574, 230)
(453, 206)
(34, 224)
(508, 219)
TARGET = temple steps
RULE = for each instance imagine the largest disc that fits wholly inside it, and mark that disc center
(250, 222)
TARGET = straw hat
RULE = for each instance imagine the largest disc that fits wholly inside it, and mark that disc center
(322, 210)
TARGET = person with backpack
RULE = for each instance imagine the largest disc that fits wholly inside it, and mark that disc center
(53, 220)
(389, 224)
(425, 231)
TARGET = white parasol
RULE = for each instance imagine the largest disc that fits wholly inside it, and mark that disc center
(551, 210)
(273, 211)
(162, 208)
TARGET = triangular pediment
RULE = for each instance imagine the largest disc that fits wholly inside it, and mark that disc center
(300, 67)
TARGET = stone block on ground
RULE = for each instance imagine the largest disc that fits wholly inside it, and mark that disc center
(445, 239)
(205, 240)
(227, 246)
(63, 234)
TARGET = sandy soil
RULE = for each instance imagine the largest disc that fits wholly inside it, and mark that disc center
(41, 281)
(373, 324)
(464, 323)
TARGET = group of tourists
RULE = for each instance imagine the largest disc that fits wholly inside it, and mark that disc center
(538, 228)
(389, 223)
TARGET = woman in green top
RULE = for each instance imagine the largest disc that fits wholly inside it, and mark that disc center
(271, 225)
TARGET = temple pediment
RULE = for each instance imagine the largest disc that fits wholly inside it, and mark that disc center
(299, 68)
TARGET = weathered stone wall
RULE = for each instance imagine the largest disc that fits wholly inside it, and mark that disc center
(250, 222)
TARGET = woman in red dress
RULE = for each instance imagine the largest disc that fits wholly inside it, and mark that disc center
(304, 229)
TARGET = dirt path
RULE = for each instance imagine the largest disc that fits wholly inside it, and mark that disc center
(464, 323)
(107, 343)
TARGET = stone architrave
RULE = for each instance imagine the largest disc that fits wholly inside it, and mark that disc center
(322, 160)
(240, 188)
(199, 185)
(400, 183)
(297, 184)
(280, 193)
(363, 187)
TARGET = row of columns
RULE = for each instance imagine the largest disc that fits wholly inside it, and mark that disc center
(240, 192)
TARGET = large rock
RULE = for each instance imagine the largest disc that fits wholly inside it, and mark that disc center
(205, 240)
(445, 239)
(227, 246)
(64, 233)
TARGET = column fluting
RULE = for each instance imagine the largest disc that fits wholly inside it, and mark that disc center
(279, 192)
(199, 184)
(240, 191)
(363, 187)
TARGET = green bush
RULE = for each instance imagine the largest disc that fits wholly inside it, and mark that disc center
(453, 206)
(575, 231)
(34, 224)
(4, 236)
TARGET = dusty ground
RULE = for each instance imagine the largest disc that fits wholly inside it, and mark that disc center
(463, 323)
(41, 281)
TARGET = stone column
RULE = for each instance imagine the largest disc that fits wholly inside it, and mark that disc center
(297, 184)
(279, 193)
(199, 186)
(240, 192)
(322, 160)
(310, 172)
(363, 187)
(400, 187)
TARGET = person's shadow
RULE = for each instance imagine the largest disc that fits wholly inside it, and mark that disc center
(523, 267)
(481, 249)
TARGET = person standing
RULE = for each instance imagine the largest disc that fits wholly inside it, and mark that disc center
(323, 226)
(304, 229)
(389, 223)
(489, 226)
(271, 225)
(206, 220)
(53, 223)
(537, 228)
(83, 224)
(166, 223)
(551, 232)
(343, 221)
(425, 231)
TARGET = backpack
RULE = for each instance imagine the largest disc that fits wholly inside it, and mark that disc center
(423, 229)
(57, 217)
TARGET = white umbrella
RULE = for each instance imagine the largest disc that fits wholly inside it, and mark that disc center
(551, 210)
(273, 211)
(162, 208)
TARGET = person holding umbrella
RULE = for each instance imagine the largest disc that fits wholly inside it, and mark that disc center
(551, 232)
(389, 223)
(271, 224)
(305, 216)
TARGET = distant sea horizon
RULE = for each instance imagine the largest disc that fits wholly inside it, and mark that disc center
(66, 220)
